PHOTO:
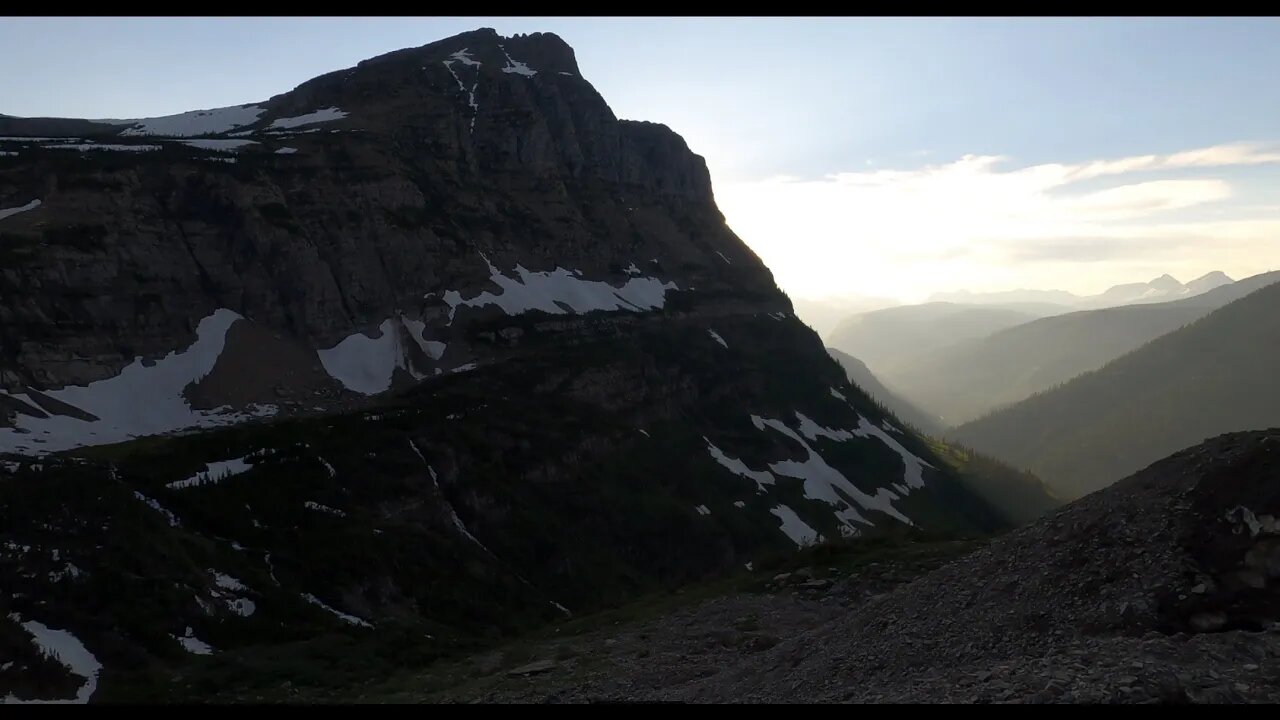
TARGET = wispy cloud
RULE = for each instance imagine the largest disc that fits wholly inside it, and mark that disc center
(982, 221)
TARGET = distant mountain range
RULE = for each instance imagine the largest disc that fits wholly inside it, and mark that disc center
(824, 314)
(969, 378)
(1216, 375)
(902, 336)
(1162, 289)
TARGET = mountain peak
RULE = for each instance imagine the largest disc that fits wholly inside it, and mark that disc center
(1209, 281)
(1166, 282)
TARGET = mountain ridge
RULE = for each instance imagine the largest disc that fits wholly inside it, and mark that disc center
(1195, 382)
(979, 375)
(1163, 288)
(429, 352)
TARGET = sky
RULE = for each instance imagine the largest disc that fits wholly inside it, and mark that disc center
(857, 156)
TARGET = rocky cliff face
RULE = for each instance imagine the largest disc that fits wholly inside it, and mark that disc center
(473, 350)
(422, 172)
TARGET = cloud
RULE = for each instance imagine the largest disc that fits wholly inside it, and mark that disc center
(980, 219)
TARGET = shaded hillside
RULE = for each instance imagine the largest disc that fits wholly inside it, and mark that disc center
(885, 339)
(1161, 589)
(859, 374)
(964, 381)
(1019, 495)
(1216, 375)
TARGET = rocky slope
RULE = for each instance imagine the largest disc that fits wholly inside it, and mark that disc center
(1161, 588)
(470, 353)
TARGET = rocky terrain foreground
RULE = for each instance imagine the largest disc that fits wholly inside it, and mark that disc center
(1163, 588)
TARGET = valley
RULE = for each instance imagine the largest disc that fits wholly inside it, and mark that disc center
(434, 380)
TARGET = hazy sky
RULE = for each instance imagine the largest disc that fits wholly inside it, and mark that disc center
(871, 156)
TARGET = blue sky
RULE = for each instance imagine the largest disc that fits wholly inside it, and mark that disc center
(799, 117)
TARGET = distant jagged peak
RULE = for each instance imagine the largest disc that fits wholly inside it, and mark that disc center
(1166, 282)
(1209, 281)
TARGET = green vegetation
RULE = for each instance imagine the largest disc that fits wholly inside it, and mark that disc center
(1213, 376)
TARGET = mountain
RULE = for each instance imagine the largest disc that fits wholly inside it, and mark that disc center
(1208, 281)
(973, 377)
(825, 313)
(422, 354)
(1002, 297)
(859, 374)
(1215, 375)
(1158, 590)
(1161, 289)
(885, 339)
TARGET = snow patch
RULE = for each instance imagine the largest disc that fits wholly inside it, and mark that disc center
(632, 269)
(226, 582)
(561, 608)
(114, 401)
(462, 57)
(417, 332)
(739, 504)
(515, 66)
(365, 365)
(192, 644)
(703, 510)
(215, 472)
(195, 122)
(891, 427)
(913, 467)
(218, 145)
(10, 212)
(286, 151)
(722, 257)
(243, 607)
(822, 482)
(453, 514)
(837, 395)
(18, 138)
(549, 290)
(173, 519)
(716, 336)
(352, 619)
(465, 58)
(326, 115)
(313, 505)
(84, 147)
(738, 467)
(67, 650)
(795, 528)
